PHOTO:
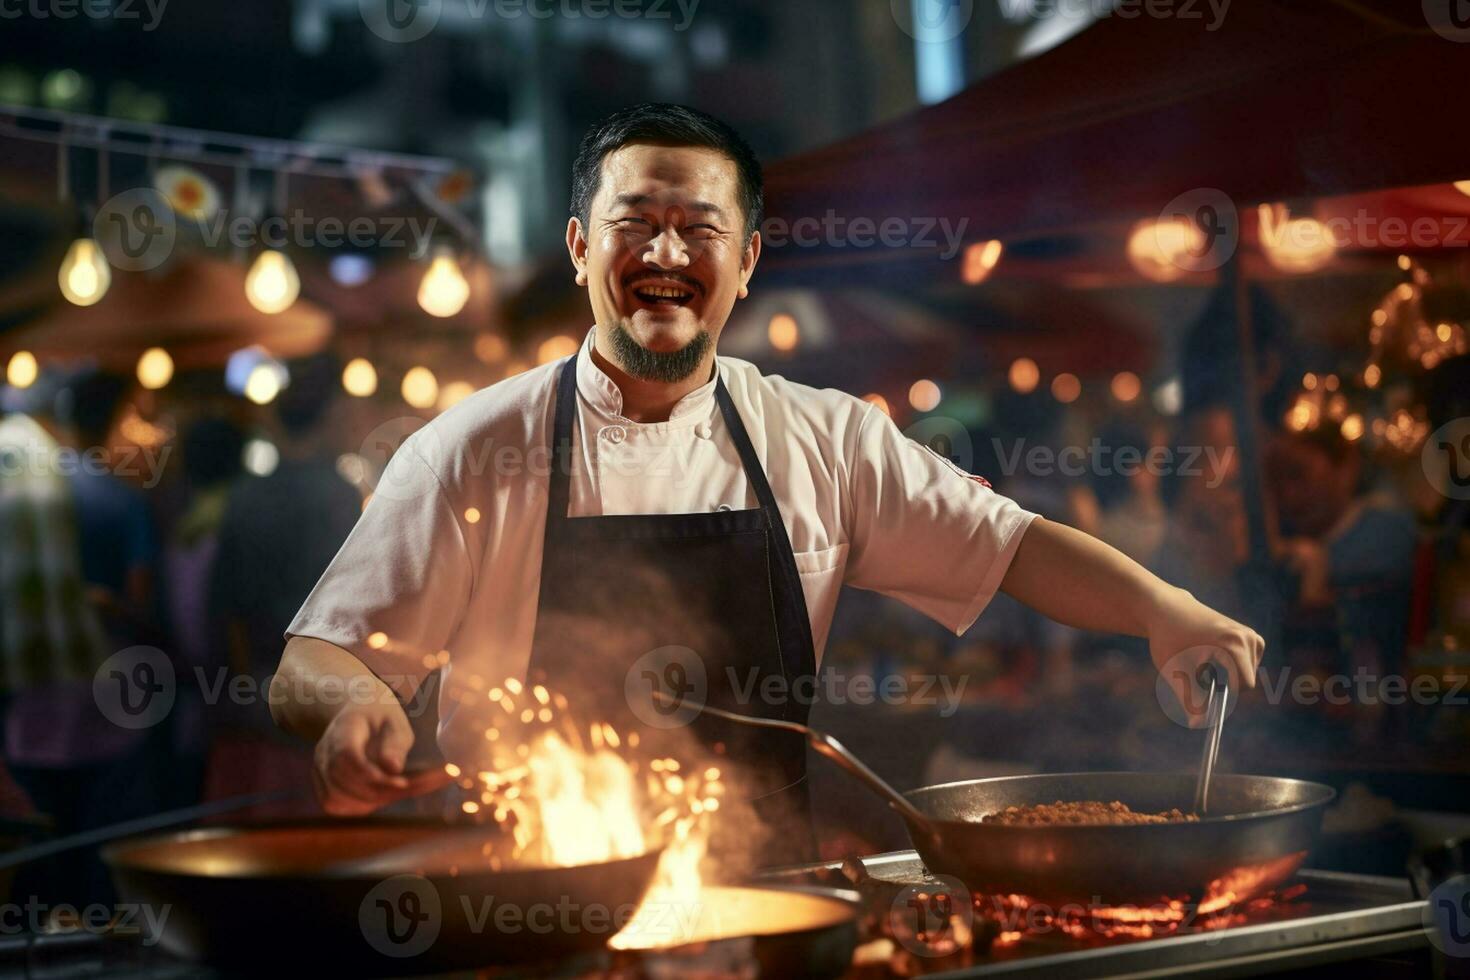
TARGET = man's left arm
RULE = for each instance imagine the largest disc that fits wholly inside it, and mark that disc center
(1079, 581)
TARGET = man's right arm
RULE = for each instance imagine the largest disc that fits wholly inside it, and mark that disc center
(324, 693)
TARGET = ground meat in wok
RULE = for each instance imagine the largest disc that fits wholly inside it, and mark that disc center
(1084, 812)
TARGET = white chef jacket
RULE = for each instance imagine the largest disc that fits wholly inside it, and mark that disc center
(444, 566)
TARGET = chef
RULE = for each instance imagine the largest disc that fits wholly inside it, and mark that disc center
(646, 495)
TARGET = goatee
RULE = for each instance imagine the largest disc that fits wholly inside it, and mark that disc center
(662, 366)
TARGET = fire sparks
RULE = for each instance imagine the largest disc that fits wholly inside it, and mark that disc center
(571, 796)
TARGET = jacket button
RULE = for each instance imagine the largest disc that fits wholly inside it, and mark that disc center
(614, 434)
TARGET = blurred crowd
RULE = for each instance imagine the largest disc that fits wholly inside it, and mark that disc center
(205, 566)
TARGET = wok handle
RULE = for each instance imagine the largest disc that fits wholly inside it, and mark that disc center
(827, 746)
(1219, 687)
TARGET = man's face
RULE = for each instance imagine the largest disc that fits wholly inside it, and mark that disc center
(664, 255)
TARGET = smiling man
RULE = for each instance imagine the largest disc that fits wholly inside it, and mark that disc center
(697, 523)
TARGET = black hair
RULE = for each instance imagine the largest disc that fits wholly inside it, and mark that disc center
(665, 122)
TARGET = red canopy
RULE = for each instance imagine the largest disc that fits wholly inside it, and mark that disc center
(1286, 99)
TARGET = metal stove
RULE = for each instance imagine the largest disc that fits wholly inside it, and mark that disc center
(1323, 924)
(1317, 919)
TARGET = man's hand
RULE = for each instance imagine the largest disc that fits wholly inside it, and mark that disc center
(359, 761)
(1184, 634)
(1082, 582)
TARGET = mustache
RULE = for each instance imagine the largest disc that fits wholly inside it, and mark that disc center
(639, 278)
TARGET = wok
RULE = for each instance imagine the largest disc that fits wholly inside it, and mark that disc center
(307, 894)
(1257, 832)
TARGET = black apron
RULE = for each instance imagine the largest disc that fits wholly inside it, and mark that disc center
(706, 606)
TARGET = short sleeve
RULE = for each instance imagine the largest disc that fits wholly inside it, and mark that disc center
(923, 530)
(394, 594)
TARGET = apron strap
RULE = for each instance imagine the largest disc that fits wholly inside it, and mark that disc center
(559, 495)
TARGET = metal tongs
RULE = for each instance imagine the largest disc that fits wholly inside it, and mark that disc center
(1214, 679)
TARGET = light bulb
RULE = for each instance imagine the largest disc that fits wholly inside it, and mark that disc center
(263, 385)
(420, 388)
(1161, 250)
(22, 370)
(359, 377)
(272, 284)
(84, 275)
(444, 289)
(783, 332)
(155, 368)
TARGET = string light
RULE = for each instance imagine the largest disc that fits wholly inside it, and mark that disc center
(783, 332)
(879, 402)
(359, 377)
(155, 368)
(980, 261)
(1126, 386)
(444, 291)
(84, 274)
(1294, 245)
(1024, 375)
(263, 384)
(420, 388)
(272, 284)
(22, 370)
(1158, 249)
(1066, 388)
(924, 395)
